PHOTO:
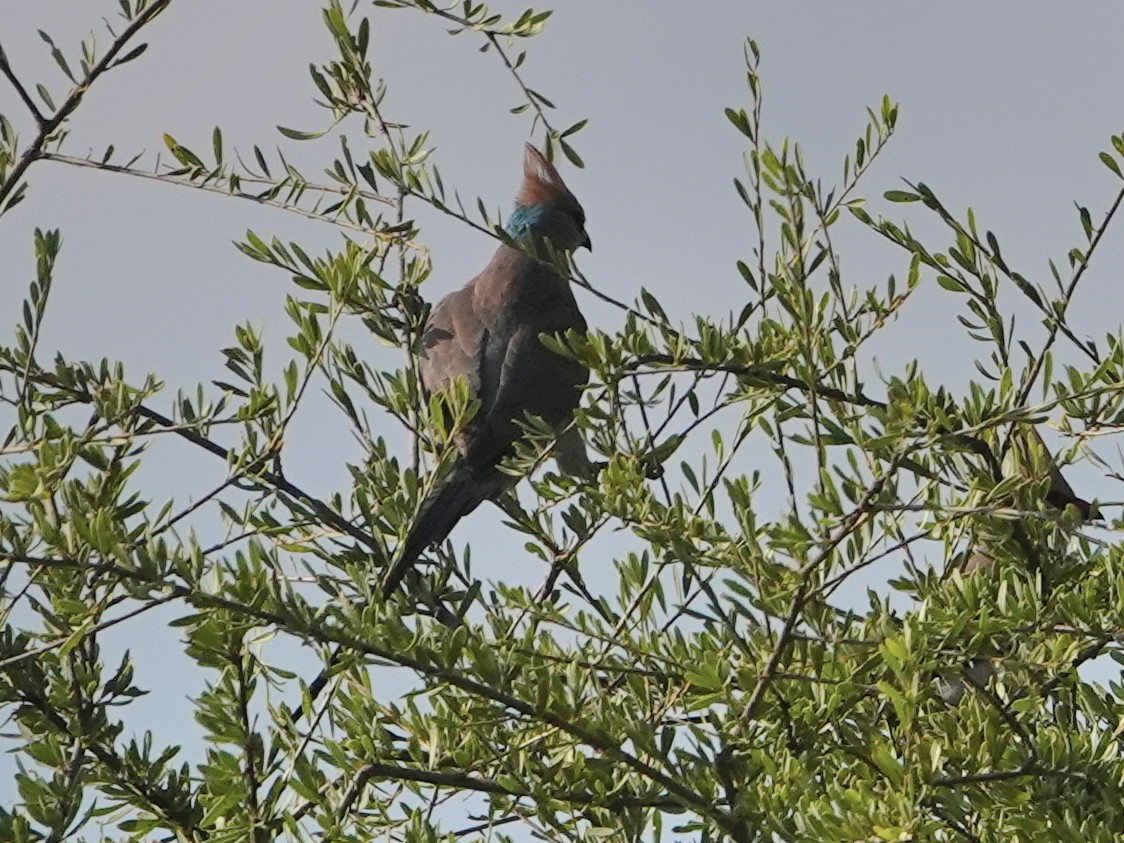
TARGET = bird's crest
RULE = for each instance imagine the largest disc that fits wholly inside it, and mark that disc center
(541, 183)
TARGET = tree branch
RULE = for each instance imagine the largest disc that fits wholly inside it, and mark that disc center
(48, 126)
(6, 69)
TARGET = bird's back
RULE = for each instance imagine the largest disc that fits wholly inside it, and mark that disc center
(502, 311)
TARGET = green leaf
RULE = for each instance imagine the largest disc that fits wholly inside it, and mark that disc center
(901, 196)
(297, 134)
(740, 120)
(134, 53)
(182, 154)
(573, 130)
(1110, 162)
(950, 283)
(569, 152)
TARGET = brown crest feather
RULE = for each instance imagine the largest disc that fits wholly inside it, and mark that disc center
(541, 182)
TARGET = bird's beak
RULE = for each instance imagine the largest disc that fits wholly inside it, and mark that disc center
(586, 242)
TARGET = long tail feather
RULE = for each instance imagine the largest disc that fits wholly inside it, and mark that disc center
(456, 496)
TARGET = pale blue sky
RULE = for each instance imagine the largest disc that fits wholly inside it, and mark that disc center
(1004, 106)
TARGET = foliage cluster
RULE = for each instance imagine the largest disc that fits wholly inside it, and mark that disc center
(716, 689)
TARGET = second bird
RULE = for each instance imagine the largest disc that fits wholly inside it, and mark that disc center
(487, 333)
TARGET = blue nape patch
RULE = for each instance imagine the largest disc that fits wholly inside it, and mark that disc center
(524, 220)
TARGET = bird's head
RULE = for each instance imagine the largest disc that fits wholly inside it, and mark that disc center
(545, 209)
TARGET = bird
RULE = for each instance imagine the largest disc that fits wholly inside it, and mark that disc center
(1033, 454)
(487, 334)
(1033, 458)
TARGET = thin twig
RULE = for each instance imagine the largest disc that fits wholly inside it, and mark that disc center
(6, 69)
(804, 589)
(50, 125)
(266, 199)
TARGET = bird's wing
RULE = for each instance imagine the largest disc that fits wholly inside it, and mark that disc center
(453, 343)
(1035, 457)
(532, 380)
